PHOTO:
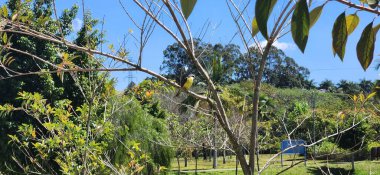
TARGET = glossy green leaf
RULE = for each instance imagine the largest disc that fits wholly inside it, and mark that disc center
(300, 24)
(366, 46)
(187, 7)
(255, 28)
(315, 14)
(339, 36)
(373, 3)
(263, 9)
(352, 22)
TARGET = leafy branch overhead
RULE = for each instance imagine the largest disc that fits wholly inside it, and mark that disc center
(187, 7)
(263, 9)
(302, 20)
(301, 24)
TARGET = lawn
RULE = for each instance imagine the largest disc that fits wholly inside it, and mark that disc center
(312, 167)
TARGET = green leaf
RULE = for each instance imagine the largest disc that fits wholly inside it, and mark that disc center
(255, 28)
(352, 22)
(376, 29)
(5, 38)
(263, 9)
(187, 7)
(5, 11)
(315, 14)
(372, 3)
(366, 46)
(339, 35)
(300, 24)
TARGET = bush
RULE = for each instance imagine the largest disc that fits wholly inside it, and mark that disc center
(329, 150)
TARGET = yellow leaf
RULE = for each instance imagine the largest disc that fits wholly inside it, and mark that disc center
(34, 133)
(5, 11)
(65, 56)
(341, 115)
(14, 17)
(131, 154)
(355, 98)
(136, 146)
(139, 169)
(5, 38)
(9, 61)
(352, 22)
(361, 96)
(255, 28)
(162, 168)
(370, 95)
(132, 163)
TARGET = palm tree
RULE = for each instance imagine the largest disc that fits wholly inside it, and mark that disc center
(327, 85)
(366, 86)
(348, 87)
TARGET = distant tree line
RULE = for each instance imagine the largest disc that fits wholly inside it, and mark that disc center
(227, 64)
(347, 87)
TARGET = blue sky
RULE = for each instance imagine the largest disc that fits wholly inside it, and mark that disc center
(318, 56)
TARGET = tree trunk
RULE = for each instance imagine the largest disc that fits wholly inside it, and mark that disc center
(179, 165)
(215, 151)
(210, 155)
(196, 161)
(238, 150)
(185, 158)
(237, 165)
(204, 151)
(214, 159)
(224, 156)
(257, 156)
(255, 101)
(353, 161)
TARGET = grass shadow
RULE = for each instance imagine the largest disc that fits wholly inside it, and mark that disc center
(330, 170)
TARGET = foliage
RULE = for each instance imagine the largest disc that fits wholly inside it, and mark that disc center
(177, 64)
(134, 123)
(281, 70)
(145, 120)
(328, 148)
(226, 65)
(342, 28)
(58, 144)
(348, 87)
(276, 112)
(54, 87)
(327, 85)
(187, 7)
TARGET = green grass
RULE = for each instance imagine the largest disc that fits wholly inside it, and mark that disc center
(312, 167)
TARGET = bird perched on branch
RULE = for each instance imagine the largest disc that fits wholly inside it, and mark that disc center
(186, 84)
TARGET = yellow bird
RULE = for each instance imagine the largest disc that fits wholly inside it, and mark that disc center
(186, 84)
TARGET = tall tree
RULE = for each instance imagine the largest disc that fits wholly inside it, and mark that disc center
(366, 86)
(177, 64)
(348, 87)
(281, 70)
(327, 85)
(42, 55)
